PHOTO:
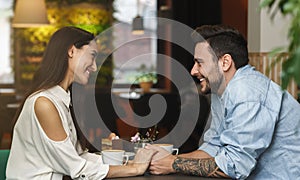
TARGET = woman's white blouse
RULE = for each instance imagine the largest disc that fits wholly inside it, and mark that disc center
(34, 156)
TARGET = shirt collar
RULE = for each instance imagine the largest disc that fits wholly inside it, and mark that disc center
(59, 92)
(241, 70)
(236, 74)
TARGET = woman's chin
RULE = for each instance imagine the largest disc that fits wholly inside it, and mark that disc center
(83, 81)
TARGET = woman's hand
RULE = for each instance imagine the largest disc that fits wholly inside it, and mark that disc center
(136, 167)
(113, 136)
(142, 160)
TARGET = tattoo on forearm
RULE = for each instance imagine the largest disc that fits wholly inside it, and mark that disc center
(198, 167)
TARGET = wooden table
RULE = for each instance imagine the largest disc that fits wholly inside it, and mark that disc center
(166, 177)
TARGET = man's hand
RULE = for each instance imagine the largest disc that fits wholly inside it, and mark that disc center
(196, 163)
(161, 162)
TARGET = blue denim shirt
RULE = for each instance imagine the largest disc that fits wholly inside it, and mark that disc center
(255, 129)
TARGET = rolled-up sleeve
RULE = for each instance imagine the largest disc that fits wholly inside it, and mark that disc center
(248, 130)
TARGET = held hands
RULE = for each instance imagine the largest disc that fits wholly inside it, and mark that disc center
(142, 160)
(136, 167)
(162, 161)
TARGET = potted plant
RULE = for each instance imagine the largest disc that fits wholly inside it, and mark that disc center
(146, 80)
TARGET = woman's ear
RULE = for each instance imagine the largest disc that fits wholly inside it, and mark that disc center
(71, 51)
(227, 62)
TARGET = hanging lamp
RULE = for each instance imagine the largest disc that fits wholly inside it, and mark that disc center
(138, 22)
(30, 13)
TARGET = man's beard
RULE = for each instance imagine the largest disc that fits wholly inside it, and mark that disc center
(207, 89)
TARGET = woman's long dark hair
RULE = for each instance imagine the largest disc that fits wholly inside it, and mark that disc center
(54, 65)
(55, 61)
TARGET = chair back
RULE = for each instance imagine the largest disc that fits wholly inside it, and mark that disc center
(3, 161)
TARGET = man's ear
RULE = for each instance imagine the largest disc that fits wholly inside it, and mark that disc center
(226, 62)
(71, 51)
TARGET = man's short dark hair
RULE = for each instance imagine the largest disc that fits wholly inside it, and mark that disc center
(224, 40)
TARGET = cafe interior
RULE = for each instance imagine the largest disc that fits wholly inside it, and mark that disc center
(143, 45)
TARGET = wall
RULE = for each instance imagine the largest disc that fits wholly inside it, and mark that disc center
(265, 34)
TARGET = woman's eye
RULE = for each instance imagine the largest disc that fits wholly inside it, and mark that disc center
(94, 56)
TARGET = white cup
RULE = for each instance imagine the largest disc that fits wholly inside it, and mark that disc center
(168, 147)
(114, 157)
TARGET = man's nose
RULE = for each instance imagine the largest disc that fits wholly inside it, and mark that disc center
(194, 70)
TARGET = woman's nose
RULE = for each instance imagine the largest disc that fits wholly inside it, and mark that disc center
(94, 66)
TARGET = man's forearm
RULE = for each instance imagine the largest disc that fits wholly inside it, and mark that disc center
(198, 167)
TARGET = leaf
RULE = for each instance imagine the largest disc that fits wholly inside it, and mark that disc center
(286, 72)
(276, 55)
(288, 7)
(266, 3)
(284, 80)
(276, 52)
(296, 65)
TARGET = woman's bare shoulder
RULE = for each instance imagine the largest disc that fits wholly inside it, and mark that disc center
(49, 119)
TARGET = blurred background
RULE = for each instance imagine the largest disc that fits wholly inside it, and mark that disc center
(23, 39)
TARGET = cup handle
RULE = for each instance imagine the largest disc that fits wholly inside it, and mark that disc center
(125, 159)
(176, 150)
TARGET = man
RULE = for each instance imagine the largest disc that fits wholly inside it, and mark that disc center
(255, 129)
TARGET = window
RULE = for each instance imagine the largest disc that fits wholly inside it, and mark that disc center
(134, 57)
(6, 12)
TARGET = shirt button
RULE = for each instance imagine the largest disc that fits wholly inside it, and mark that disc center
(82, 176)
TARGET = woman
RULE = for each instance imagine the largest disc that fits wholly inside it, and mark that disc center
(45, 144)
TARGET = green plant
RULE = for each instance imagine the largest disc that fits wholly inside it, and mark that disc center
(291, 67)
(147, 77)
(146, 74)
